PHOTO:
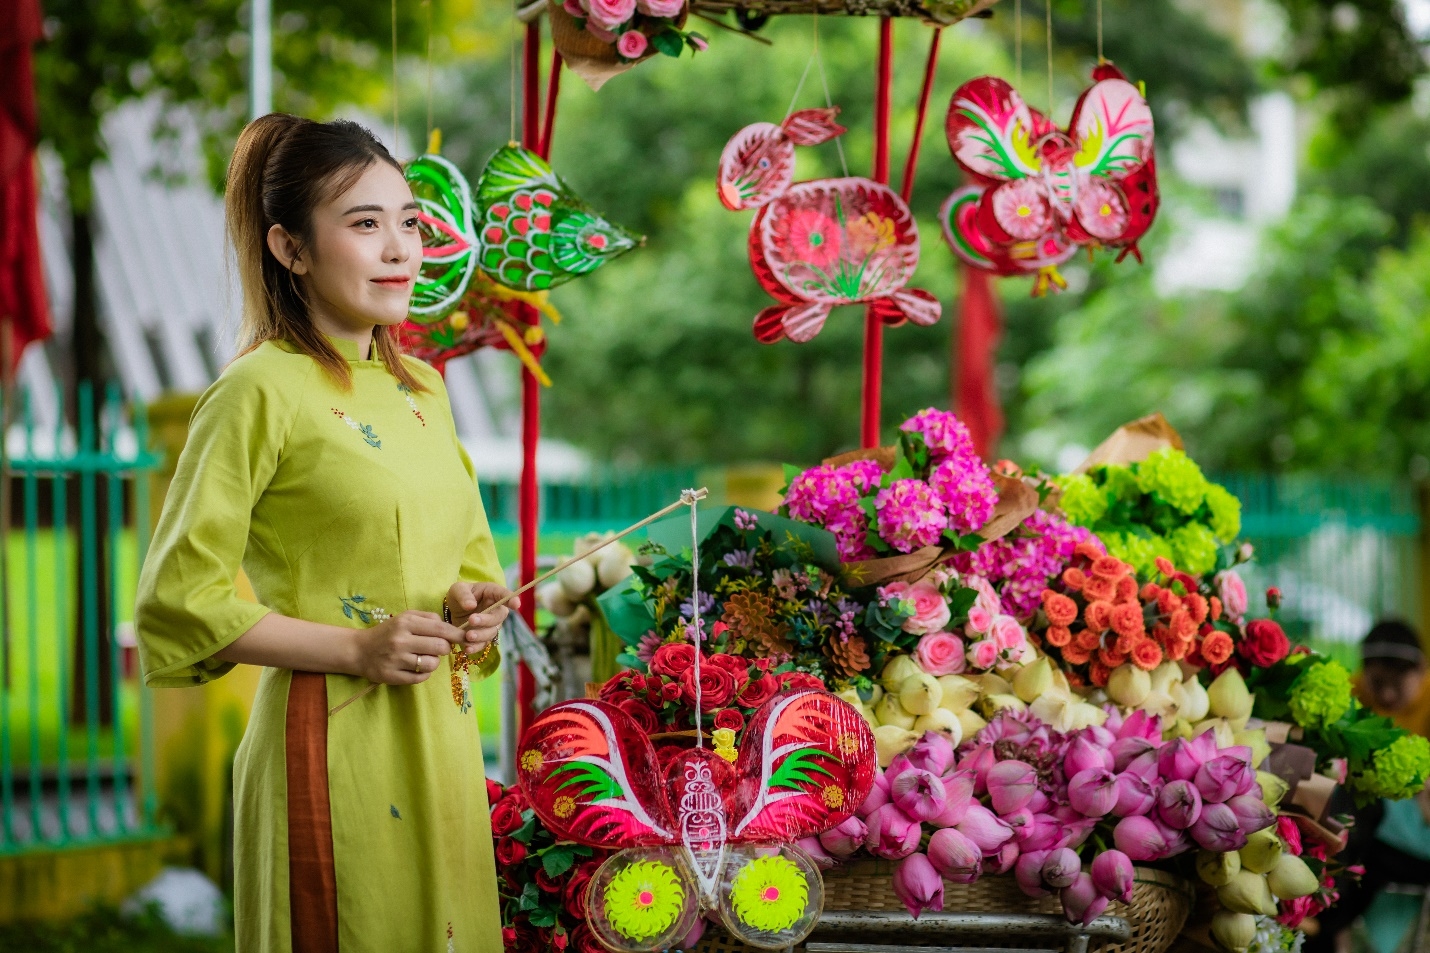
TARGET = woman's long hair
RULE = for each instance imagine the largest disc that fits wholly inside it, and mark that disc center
(282, 168)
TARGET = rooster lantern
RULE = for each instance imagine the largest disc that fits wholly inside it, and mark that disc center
(696, 833)
(822, 243)
(1040, 192)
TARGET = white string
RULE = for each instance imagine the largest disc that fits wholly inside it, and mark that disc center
(828, 101)
(691, 497)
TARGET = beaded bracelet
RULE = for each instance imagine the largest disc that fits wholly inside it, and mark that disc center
(466, 659)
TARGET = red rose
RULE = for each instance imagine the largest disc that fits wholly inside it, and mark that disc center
(641, 712)
(494, 793)
(763, 664)
(759, 691)
(670, 691)
(559, 939)
(672, 659)
(547, 883)
(729, 718)
(506, 817)
(585, 941)
(615, 698)
(574, 896)
(717, 687)
(800, 680)
(616, 683)
(510, 852)
(1264, 643)
(733, 664)
(638, 682)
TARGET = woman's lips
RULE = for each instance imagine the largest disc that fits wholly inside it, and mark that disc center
(393, 282)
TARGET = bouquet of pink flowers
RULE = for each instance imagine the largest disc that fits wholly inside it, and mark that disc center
(636, 27)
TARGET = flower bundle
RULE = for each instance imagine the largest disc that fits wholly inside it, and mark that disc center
(1020, 565)
(938, 493)
(636, 27)
(542, 883)
(731, 688)
(1161, 507)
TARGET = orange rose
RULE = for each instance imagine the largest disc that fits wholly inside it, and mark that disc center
(1182, 625)
(1074, 578)
(1217, 647)
(1109, 567)
(1075, 680)
(1099, 674)
(1196, 605)
(1127, 619)
(1059, 608)
(1058, 635)
(1215, 613)
(1147, 655)
(1124, 643)
(1165, 567)
(1168, 602)
(1126, 589)
(1176, 651)
(1098, 615)
(1089, 550)
(1099, 588)
(1110, 656)
(1149, 592)
(1075, 654)
(1089, 640)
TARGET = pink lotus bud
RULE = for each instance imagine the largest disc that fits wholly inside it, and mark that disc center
(1093, 792)
(955, 856)
(1028, 871)
(1075, 833)
(878, 795)
(1083, 755)
(844, 840)
(1179, 805)
(1114, 719)
(1112, 875)
(1045, 833)
(1124, 750)
(1011, 785)
(1003, 860)
(1139, 724)
(919, 794)
(1177, 760)
(1061, 868)
(933, 752)
(1251, 812)
(918, 885)
(1145, 766)
(693, 937)
(1177, 841)
(1223, 777)
(815, 849)
(1140, 839)
(1135, 795)
(1099, 735)
(1039, 803)
(1019, 821)
(1218, 829)
(981, 826)
(892, 835)
(977, 762)
(958, 794)
(1081, 902)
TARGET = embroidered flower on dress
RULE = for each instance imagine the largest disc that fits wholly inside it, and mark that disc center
(406, 393)
(365, 430)
(356, 607)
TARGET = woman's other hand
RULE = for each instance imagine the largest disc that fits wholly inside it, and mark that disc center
(470, 604)
(406, 648)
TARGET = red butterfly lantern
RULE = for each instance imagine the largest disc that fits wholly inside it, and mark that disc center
(822, 243)
(1039, 192)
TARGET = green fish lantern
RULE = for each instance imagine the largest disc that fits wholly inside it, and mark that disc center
(524, 228)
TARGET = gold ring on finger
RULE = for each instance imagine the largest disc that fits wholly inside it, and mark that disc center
(418, 667)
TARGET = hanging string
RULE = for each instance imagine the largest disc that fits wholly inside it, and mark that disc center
(428, 5)
(394, 77)
(1018, 43)
(511, 79)
(828, 100)
(1100, 58)
(1050, 58)
(690, 496)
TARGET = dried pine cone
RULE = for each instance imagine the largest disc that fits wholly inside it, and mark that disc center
(751, 616)
(849, 658)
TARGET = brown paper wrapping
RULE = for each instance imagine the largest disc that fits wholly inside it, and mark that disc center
(1132, 442)
(588, 57)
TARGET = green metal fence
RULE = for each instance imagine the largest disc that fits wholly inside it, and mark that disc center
(603, 501)
(76, 748)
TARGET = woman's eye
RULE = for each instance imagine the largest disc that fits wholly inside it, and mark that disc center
(410, 223)
(367, 223)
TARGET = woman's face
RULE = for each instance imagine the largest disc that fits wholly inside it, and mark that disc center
(361, 264)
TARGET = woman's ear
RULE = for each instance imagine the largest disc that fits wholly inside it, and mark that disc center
(286, 249)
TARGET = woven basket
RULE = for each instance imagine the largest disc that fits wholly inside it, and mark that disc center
(1157, 913)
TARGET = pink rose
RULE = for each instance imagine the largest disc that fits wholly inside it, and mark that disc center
(979, 619)
(631, 44)
(1233, 594)
(930, 609)
(1007, 633)
(661, 8)
(983, 654)
(609, 14)
(940, 653)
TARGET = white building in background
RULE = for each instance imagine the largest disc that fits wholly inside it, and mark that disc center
(168, 302)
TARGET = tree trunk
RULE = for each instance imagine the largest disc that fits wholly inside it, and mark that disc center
(92, 587)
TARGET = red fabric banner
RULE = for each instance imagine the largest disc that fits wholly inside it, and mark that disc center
(980, 325)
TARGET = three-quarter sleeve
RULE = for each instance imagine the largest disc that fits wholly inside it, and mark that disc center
(188, 606)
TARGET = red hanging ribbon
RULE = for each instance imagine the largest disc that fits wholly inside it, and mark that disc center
(873, 383)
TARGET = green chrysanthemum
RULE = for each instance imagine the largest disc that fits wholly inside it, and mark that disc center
(1082, 500)
(1119, 481)
(1321, 695)
(1194, 548)
(1137, 551)
(770, 893)
(644, 899)
(1400, 768)
(1226, 512)
(1175, 477)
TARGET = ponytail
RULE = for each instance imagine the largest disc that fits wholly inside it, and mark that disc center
(282, 168)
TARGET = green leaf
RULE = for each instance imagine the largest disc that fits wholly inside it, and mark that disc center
(669, 42)
(523, 833)
(903, 470)
(530, 897)
(558, 859)
(961, 601)
(543, 917)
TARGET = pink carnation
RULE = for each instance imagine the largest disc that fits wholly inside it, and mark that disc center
(1019, 568)
(911, 516)
(966, 488)
(944, 433)
(819, 493)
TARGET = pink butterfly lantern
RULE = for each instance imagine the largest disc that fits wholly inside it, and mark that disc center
(1040, 192)
(822, 243)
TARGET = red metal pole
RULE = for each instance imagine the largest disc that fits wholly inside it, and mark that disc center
(553, 88)
(911, 166)
(529, 491)
(873, 327)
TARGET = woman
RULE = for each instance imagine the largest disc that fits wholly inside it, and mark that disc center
(328, 465)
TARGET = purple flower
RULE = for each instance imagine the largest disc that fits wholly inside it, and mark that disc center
(740, 559)
(1020, 566)
(864, 475)
(983, 827)
(958, 794)
(943, 433)
(1002, 860)
(918, 885)
(1251, 812)
(1125, 750)
(815, 849)
(1179, 759)
(1135, 795)
(932, 752)
(646, 647)
(745, 520)
(1083, 754)
(966, 488)
(878, 795)
(910, 515)
(1223, 777)
(1141, 839)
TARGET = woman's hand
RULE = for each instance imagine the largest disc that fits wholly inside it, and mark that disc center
(406, 648)
(469, 602)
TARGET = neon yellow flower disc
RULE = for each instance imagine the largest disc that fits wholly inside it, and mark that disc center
(770, 893)
(644, 899)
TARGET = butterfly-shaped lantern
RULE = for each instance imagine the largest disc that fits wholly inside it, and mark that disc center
(1040, 192)
(819, 244)
(697, 833)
